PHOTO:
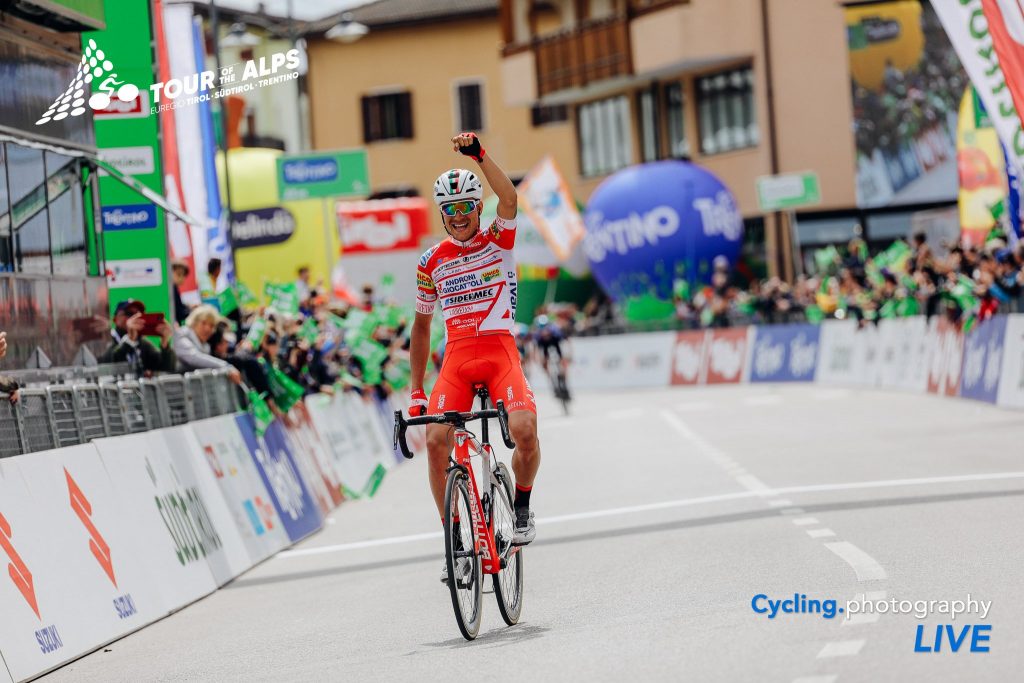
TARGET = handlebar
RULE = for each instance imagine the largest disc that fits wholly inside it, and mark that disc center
(454, 418)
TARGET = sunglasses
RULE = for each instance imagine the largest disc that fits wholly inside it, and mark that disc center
(459, 208)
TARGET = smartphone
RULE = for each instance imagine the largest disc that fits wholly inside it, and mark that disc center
(150, 323)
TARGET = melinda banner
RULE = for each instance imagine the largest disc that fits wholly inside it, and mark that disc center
(906, 85)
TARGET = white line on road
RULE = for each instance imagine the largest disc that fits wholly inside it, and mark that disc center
(816, 679)
(752, 483)
(866, 567)
(820, 533)
(804, 521)
(669, 504)
(841, 648)
(780, 503)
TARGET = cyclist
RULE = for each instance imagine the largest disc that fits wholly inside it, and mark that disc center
(472, 274)
(548, 340)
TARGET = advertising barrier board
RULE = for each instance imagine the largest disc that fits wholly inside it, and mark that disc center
(1011, 381)
(784, 353)
(167, 520)
(72, 582)
(280, 475)
(983, 360)
(627, 360)
(232, 468)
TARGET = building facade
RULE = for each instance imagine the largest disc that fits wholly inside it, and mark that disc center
(420, 75)
(744, 88)
(53, 288)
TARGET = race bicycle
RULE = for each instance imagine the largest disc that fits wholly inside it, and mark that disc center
(478, 530)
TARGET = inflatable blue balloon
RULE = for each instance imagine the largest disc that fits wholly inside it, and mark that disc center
(648, 226)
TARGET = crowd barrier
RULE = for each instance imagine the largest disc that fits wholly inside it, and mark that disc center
(76, 412)
(906, 354)
(104, 537)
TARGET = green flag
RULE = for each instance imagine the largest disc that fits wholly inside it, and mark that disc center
(309, 331)
(257, 332)
(228, 300)
(283, 298)
(287, 392)
(260, 411)
(398, 373)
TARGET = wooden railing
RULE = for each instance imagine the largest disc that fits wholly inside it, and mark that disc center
(594, 51)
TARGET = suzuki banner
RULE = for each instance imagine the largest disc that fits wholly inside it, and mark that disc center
(73, 579)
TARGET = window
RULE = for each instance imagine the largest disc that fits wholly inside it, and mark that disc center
(543, 114)
(6, 253)
(387, 117)
(726, 111)
(650, 137)
(678, 145)
(29, 217)
(67, 217)
(470, 107)
(604, 136)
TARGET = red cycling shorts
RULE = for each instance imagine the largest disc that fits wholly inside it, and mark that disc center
(491, 360)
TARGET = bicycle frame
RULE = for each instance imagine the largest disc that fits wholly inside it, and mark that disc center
(466, 445)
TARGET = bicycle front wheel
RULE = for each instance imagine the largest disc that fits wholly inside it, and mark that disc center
(464, 568)
(508, 583)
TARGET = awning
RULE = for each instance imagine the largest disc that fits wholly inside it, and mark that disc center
(155, 197)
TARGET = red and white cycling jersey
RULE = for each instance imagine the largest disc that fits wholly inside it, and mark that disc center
(476, 284)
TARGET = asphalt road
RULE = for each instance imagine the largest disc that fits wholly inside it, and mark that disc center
(661, 514)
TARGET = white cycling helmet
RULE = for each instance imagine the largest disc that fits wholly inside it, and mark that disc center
(456, 185)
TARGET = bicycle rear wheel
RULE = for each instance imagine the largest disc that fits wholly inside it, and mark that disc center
(464, 570)
(508, 583)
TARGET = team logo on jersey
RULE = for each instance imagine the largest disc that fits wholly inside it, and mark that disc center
(509, 394)
(495, 230)
(490, 274)
(424, 281)
(427, 254)
(440, 401)
(470, 297)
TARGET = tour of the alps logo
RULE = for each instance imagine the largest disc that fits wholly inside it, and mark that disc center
(94, 67)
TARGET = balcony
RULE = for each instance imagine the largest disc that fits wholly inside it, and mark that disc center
(593, 51)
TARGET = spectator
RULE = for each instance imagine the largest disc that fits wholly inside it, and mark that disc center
(191, 343)
(302, 283)
(129, 346)
(367, 303)
(8, 385)
(179, 271)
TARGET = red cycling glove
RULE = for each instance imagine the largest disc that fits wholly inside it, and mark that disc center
(418, 403)
(474, 150)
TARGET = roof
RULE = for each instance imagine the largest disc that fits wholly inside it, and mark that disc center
(395, 13)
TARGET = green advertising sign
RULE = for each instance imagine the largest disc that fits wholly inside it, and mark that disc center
(790, 191)
(134, 230)
(323, 174)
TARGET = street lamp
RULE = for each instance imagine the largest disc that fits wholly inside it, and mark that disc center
(346, 30)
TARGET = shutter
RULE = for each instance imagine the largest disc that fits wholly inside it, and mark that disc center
(367, 130)
(405, 129)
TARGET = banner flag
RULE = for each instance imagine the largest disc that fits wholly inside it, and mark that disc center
(546, 199)
(993, 60)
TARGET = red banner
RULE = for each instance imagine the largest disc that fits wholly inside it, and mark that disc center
(726, 355)
(688, 358)
(382, 225)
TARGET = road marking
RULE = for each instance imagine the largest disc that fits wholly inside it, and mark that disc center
(626, 414)
(865, 566)
(804, 521)
(684, 502)
(768, 400)
(820, 533)
(816, 679)
(841, 648)
(780, 503)
(752, 483)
